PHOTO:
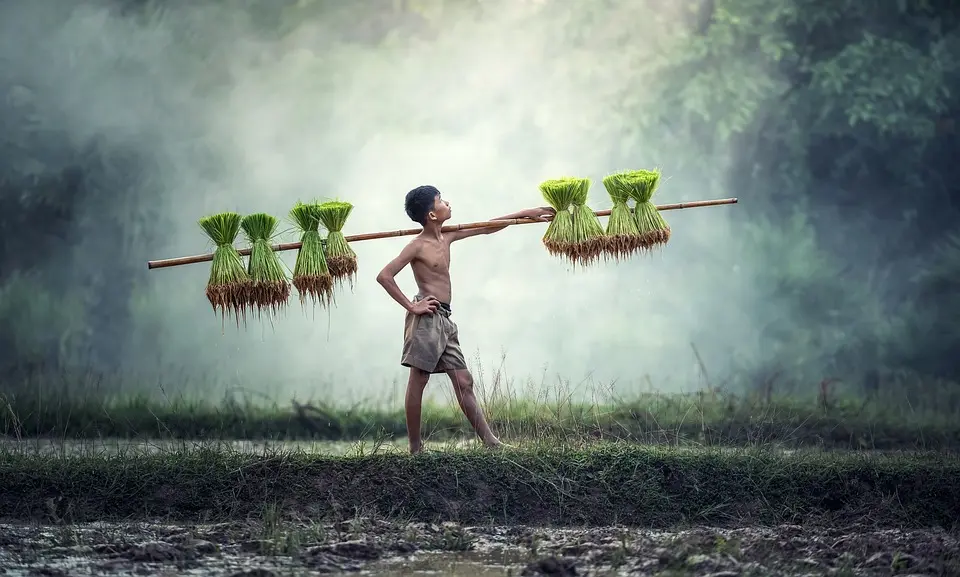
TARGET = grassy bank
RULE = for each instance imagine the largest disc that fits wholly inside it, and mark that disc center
(601, 485)
(652, 418)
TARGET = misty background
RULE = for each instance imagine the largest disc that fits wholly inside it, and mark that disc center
(123, 123)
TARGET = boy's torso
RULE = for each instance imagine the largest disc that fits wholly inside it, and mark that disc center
(431, 268)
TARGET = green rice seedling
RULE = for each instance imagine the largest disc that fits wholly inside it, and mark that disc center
(311, 275)
(341, 259)
(653, 230)
(229, 283)
(622, 237)
(588, 241)
(560, 194)
(269, 288)
(651, 225)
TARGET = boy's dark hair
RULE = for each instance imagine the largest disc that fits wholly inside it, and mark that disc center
(420, 201)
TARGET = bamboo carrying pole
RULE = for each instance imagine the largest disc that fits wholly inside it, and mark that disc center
(182, 260)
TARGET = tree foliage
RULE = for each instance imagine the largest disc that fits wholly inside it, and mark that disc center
(835, 119)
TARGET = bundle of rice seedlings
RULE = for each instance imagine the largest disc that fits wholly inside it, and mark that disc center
(622, 236)
(587, 241)
(229, 282)
(269, 287)
(341, 260)
(651, 226)
(560, 194)
(311, 275)
(652, 229)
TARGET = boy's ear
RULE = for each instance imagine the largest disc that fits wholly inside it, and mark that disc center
(432, 215)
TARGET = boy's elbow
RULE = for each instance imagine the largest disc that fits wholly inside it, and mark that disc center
(382, 277)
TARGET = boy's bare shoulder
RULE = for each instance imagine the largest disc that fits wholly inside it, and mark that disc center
(413, 247)
(416, 242)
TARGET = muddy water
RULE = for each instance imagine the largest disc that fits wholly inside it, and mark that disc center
(273, 547)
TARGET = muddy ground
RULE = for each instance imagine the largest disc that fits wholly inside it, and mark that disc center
(274, 547)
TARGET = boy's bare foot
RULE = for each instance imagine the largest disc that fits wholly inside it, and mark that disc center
(414, 449)
(496, 444)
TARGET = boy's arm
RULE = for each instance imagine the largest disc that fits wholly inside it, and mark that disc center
(386, 277)
(542, 214)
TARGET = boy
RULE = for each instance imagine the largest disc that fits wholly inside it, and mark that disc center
(431, 343)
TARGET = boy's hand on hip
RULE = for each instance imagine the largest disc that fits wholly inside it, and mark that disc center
(427, 306)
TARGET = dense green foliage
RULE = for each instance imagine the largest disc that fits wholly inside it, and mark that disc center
(837, 120)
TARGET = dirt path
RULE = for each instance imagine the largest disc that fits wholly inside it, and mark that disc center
(274, 548)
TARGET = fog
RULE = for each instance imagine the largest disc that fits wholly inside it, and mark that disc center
(484, 111)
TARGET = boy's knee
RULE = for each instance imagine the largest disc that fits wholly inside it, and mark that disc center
(418, 376)
(462, 380)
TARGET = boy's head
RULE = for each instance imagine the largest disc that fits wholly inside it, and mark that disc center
(424, 205)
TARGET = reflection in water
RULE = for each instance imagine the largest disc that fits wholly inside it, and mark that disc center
(454, 565)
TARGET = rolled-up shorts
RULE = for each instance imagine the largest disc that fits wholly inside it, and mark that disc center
(431, 343)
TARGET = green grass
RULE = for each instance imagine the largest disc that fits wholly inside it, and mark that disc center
(650, 418)
(603, 484)
(908, 414)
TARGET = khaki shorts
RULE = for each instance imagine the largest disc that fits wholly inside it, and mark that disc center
(431, 343)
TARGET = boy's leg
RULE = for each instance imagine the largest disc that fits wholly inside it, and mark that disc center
(463, 389)
(423, 343)
(454, 365)
(414, 402)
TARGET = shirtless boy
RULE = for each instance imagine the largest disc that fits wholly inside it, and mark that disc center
(431, 343)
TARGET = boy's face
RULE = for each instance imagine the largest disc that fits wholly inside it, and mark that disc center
(441, 209)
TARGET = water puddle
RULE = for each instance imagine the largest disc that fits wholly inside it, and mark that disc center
(453, 564)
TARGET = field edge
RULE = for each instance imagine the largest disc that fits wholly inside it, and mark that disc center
(598, 486)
